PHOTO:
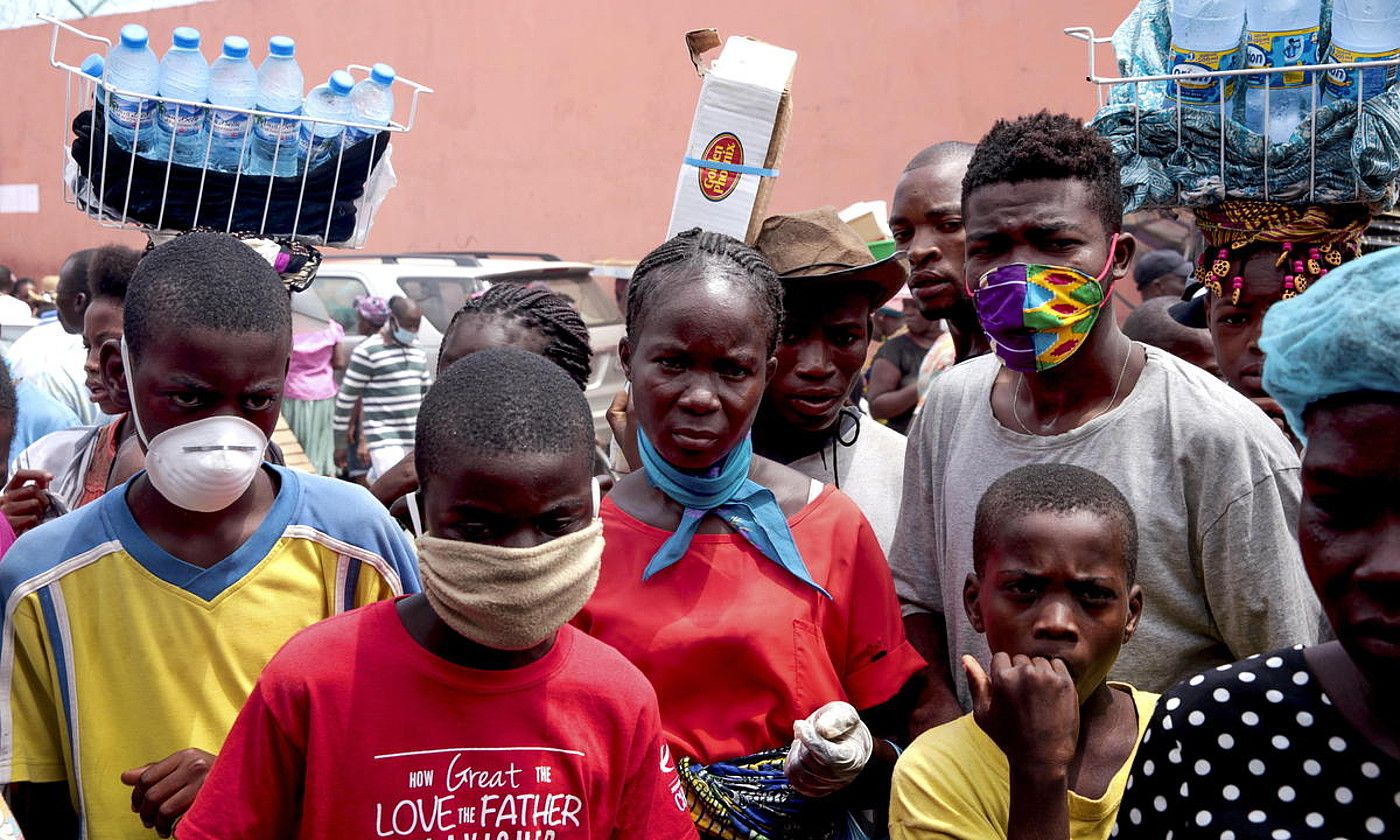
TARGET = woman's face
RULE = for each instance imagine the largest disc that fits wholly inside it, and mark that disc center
(1349, 526)
(102, 322)
(698, 368)
(1235, 327)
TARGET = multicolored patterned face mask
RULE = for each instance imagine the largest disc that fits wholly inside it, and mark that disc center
(1036, 316)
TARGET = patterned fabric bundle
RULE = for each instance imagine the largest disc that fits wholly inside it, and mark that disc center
(1312, 240)
(749, 798)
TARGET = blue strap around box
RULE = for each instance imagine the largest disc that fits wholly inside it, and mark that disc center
(731, 167)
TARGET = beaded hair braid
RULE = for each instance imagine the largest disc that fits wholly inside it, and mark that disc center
(1312, 240)
(697, 250)
(551, 315)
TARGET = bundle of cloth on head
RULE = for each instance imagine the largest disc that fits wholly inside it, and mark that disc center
(1311, 239)
(375, 310)
(1341, 338)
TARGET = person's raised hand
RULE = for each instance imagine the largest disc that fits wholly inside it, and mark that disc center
(830, 749)
(25, 499)
(1028, 707)
(162, 792)
(622, 419)
(342, 459)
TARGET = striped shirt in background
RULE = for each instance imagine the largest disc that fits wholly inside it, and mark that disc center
(390, 380)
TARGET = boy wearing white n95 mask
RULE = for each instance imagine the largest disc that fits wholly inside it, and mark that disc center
(473, 709)
(135, 627)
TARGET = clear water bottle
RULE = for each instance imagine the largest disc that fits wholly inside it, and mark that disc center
(371, 102)
(280, 83)
(184, 74)
(1362, 31)
(330, 101)
(1206, 35)
(132, 67)
(1282, 33)
(233, 81)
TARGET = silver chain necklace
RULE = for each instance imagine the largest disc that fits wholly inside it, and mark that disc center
(1021, 377)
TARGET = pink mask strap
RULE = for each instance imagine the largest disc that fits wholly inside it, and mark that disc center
(1107, 267)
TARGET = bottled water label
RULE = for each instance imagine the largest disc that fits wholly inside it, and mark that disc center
(181, 120)
(1340, 83)
(129, 111)
(277, 130)
(1282, 49)
(1202, 91)
(228, 125)
(313, 148)
(354, 135)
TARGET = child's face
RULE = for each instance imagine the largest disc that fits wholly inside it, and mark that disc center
(1235, 327)
(1055, 585)
(102, 322)
(187, 375)
(511, 499)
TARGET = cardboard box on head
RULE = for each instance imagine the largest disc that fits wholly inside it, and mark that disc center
(741, 124)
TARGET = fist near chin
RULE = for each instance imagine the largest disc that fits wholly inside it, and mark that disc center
(1028, 706)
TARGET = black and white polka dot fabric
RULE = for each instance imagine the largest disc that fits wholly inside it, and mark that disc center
(1255, 750)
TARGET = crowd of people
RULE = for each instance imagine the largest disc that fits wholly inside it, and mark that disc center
(925, 546)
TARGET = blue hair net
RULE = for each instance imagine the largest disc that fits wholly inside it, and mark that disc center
(1342, 335)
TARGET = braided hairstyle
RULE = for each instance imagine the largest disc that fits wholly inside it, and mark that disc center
(695, 252)
(551, 315)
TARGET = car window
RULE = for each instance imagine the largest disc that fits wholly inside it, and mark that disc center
(338, 294)
(440, 297)
(595, 305)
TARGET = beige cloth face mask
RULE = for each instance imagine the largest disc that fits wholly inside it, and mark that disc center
(510, 598)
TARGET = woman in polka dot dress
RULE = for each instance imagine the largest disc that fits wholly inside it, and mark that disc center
(1305, 743)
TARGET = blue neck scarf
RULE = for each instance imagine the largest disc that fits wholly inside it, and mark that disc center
(726, 489)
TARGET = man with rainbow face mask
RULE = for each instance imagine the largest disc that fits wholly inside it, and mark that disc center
(1212, 482)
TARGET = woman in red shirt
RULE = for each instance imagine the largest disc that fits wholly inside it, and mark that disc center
(757, 602)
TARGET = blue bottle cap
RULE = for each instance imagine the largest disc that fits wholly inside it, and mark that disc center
(186, 38)
(341, 82)
(93, 66)
(282, 46)
(134, 35)
(235, 47)
(382, 73)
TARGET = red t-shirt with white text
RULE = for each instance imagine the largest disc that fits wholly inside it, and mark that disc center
(355, 730)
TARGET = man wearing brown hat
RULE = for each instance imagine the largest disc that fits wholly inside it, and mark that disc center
(831, 286)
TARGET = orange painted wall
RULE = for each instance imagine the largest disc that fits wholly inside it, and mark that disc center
(559, 126)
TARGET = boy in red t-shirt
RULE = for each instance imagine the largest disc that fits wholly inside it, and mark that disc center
(473, 710)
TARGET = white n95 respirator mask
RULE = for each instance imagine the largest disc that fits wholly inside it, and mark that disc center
(202, 466)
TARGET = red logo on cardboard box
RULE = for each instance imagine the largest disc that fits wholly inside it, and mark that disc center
(717, 184)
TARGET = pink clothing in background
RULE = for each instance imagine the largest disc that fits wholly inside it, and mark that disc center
(7, 539)
(310, 376)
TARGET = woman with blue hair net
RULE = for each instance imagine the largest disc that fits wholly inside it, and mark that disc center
(1306, 742)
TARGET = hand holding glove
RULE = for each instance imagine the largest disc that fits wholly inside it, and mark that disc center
(831, 748)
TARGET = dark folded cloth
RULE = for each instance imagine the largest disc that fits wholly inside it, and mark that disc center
(141, 189)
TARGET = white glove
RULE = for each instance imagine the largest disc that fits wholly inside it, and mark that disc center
(831, 748)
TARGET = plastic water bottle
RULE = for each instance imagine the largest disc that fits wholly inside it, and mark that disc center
(371, 102)
(1282, 33)
(233, 81)
(184, 74)
(331, 101)
(132, 67)
(1362, 30)
(280, 83)
(1206, 35)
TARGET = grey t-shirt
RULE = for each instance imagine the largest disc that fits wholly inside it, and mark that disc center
(1213, 484)
(871, 472)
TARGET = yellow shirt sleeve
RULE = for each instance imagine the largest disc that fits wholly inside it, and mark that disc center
(373, 587)
(39, 740)
(946, 785)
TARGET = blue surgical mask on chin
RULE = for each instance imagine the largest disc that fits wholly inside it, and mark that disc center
(408, 338)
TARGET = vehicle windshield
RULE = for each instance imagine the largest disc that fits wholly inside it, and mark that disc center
(595, 305)
(440, 297)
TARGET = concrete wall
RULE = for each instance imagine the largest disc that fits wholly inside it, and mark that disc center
(559, 126)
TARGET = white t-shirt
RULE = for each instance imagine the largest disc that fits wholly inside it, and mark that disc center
(15, 311)
(870, 471)
(1213, 485)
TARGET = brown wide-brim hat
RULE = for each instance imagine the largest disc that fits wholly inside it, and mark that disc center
(814, 251)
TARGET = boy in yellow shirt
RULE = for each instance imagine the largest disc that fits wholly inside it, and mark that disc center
(1046, 751)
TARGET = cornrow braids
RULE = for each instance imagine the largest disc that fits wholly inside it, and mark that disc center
(551, 315)
(700, 250)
